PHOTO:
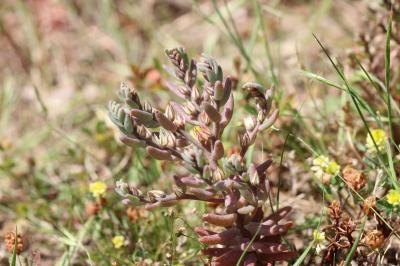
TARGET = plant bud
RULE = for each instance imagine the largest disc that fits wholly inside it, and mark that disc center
(120, 113)
(165, 122)
(143, 132)
(169, 112)
(244, 139)
(189, 109)
(207, 172)
(191, 76)
(179, 122)
(147, 107)
(250, 123)
(253, 86)
(179, 191)
(270, 121)
(165, 139)
(261, 116)
(218, 175)
(253, 175)
(128, 125)
(218, 151)
(204, 118)
(176, 89)
(195, 95)
(212, 112)
(227, 90)
(222, 185)
(248, 195)
(155, 194)
(144, 117)
(218, 91)
(122, 188)
(227, 112)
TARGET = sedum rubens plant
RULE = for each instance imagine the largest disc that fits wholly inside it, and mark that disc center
(190, 133)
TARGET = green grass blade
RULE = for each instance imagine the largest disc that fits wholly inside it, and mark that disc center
(14, 255)
(389, 105)
(357, 101)
(303, 255)
(355, 244)
(320, 79)
(267, 47)
(387, 73)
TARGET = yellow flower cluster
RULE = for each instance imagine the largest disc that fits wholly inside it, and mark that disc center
(118, 241)
(324, 168)
(97, 188)
(393, 197)
(319, 241)
(379, 136)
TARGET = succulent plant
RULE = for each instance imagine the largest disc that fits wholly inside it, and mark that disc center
(190, 133)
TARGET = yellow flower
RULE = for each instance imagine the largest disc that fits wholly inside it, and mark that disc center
(324, 168)
(333, 168)
(318, 236)
(393, 197)
(118, 241)
(97, 188)
(321, 161)
(379, 136)
(319, 241)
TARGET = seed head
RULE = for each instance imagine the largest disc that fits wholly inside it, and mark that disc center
(369, 204)
(374, 239)
(354, 178)
(12, 241)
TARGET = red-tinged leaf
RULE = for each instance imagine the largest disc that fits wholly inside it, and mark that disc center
(227, 112)
(277, 216)
(159, 154)
(250, 260)
(268, 230)
(202, 193)
(203, 232)
(261, 168)
(280, 256)
(215, 252)
(228, 259)
(228, 237)
(225, 220)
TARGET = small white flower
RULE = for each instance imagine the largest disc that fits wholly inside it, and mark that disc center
(319, 241)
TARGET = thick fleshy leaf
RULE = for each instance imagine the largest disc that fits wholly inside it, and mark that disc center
(228, 237)
(228, 259)
(268, 230)
(227, 112)
(212, 112)
(225, 220)
(159, 154)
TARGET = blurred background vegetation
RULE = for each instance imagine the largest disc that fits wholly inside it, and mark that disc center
(62, 60)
